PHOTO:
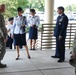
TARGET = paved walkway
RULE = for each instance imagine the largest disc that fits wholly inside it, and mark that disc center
(40, 63)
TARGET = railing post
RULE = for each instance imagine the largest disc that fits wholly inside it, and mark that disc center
(70, 36)
(41, 36)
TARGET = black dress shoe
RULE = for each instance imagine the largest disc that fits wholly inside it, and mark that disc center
(60, 61)
(55, 56)
(29, 57)
(3, 65)
(31, 49)
(18, 57)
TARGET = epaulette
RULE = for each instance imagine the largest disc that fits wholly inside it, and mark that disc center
(36, 16)
(24, 16)
(16, 16)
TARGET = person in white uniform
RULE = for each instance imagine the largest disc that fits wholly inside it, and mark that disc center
(9, 31)
(33, 21)
(20, 23)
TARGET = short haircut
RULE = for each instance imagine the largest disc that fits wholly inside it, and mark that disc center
(2, 5)
(32, 10)
(11, 19)
(61, 8)
(19, 9)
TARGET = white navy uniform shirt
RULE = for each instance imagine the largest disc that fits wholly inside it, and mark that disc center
(9, 27)
(18, 21)
(34, 20)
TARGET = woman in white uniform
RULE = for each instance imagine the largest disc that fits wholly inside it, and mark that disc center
(19, 32)
(34, 22)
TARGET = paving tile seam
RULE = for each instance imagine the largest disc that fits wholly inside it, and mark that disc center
(19, 71)
(56, 68)
(36, 70)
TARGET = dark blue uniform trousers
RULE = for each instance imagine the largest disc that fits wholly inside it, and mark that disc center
(60, 48)
(9, 42)
(57, 52)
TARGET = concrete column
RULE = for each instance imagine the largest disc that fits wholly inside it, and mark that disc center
(49, 9)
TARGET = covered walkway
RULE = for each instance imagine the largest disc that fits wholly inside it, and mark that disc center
(40, 63)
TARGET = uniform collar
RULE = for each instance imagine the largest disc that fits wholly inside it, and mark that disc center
(61, 14)
(19, 16)
(33, 16)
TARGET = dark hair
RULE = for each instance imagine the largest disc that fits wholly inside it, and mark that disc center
(61, 8)
(32, 10)
(19, 9)
(10, 19)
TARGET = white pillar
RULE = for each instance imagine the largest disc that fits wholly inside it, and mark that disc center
(49, 10)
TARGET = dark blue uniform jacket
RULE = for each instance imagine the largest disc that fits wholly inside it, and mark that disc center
(61, 26)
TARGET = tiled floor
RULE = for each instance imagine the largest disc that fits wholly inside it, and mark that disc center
(40, 63)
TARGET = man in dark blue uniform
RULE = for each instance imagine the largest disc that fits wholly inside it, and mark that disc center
(60, 34)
